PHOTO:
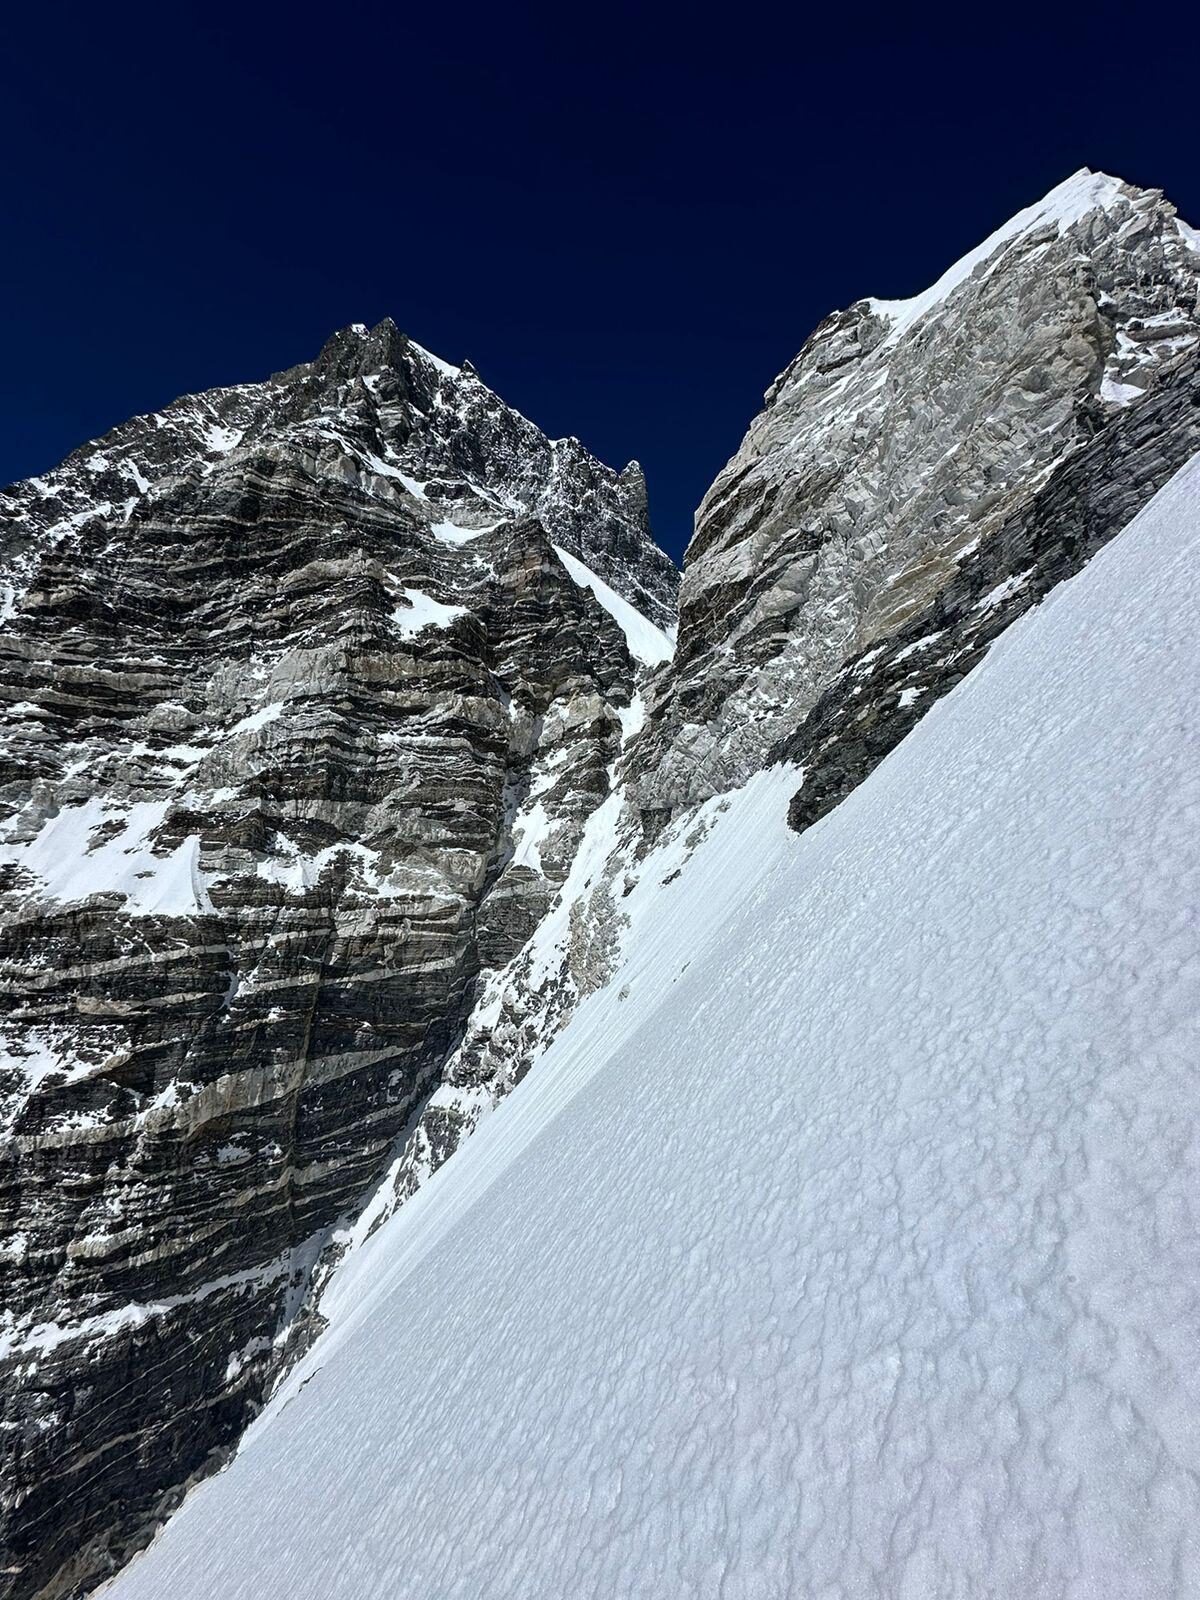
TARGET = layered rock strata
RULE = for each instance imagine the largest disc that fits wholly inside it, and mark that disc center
(327, 782)
(901, 439)
(1090, 497)
(923, 473)
(311, 687)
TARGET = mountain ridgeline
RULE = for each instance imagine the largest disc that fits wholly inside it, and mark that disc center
(343, 712)
(310, 693)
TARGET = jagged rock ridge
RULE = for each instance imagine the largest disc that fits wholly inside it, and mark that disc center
(848, 568)
(900, 439)
(844, 1248)
(311, 688)
(924, 471)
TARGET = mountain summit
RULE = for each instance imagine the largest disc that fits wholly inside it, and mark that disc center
(353, 784)
(900, 439)
(312, 687)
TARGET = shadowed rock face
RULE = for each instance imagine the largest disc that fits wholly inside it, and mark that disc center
(902, 437)
(305, 718)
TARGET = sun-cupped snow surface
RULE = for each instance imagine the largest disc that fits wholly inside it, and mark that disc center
(647, 644)
(846, 1244)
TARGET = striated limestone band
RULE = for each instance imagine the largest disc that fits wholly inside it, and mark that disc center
(306, 711)
(999, 356)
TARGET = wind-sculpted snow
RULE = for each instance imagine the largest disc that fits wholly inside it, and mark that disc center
(844, 1245)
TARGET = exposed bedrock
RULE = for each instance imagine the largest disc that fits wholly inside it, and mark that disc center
(305, 717)
(903, 436)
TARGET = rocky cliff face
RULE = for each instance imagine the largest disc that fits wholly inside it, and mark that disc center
(338, 727)
(901, 439)
(923, 473)
(311, 688)
(881, 693)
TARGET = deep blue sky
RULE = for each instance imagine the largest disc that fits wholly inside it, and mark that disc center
(628, 218)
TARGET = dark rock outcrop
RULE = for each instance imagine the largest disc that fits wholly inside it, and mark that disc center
(305, 718)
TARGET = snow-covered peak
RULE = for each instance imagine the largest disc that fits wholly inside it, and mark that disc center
(377, 407)
(1083, 192)
(444, 367)
(899, 438)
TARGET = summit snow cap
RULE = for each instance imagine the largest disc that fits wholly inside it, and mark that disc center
(1084, 191)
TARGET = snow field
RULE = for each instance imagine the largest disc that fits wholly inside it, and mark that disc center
(846, 1244)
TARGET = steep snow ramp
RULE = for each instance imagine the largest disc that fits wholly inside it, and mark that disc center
(648, 644)
(846, 1244)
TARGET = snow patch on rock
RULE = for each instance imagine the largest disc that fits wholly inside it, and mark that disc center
(647, 644)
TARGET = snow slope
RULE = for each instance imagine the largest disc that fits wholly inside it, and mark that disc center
(647, 643)
(105, 847)
(845, 1245)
